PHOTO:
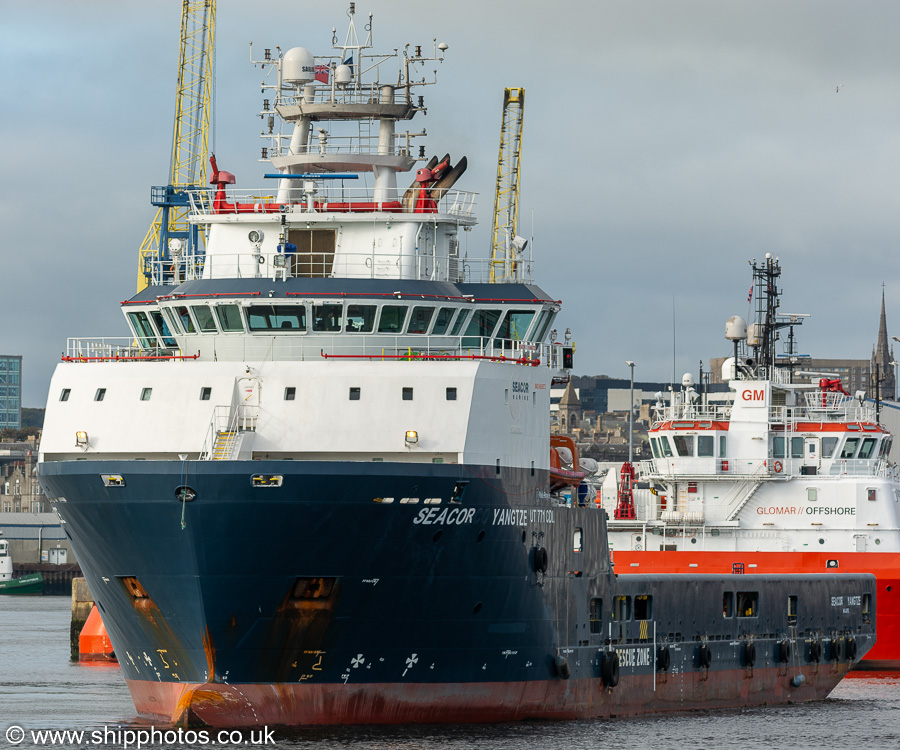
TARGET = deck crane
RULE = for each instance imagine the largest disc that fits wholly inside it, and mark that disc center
(506, 246)
(171, 236)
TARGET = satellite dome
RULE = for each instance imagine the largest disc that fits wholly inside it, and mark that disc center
(343, 74)
(687, 380)
(298, 66)
(735, 328)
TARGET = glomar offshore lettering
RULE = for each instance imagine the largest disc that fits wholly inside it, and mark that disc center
(799, 510)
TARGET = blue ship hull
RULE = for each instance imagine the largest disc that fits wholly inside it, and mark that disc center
(378, 592)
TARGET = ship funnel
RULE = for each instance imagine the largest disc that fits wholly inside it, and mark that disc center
(735, 328)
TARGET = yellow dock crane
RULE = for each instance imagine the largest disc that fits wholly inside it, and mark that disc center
(171, 240)
(506, 245)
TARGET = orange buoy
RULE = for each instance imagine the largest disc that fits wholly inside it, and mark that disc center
(94, 643)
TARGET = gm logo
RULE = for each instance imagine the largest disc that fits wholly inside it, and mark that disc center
(753, 395)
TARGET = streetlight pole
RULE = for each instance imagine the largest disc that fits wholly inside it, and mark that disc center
(631, 414)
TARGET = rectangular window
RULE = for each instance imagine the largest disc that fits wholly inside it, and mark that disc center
(871, 494)
(451, 394)
(460, 322)
(655, 447)
(796, 447)
(515, 324)
(643, 607)
(442, 321)
(684, 444)
(100, 394)
(146, 393)
(792, 610)
(407, 394)
(778, 446)
(459, 489)
(64, 395)
(142, 329)
(328, 318)
(392, 318)
(849, 449)
(160, 324)
(290, 393)
(184, 317)
(578, 542)
(355, 393)
(705, 446)
(205, 393)
(723, 444)
(543, 324)
(276, 317)
(482, 326)
(230, 318)
(812, 494)
(664, 445)
(867, 448)
(622, 608)
(747, 604)
(204, 318)
(360, 318)
(174, 320)
(596, 614)
(728, 604)
(498, 467)
(420, 319)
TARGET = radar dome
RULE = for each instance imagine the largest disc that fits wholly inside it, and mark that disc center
(735, 328)
(298, 66)
(728, 369)
(687, 380)
(343, 74)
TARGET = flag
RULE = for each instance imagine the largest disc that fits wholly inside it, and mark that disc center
(750, 295)
(322, 73)
(349, 63)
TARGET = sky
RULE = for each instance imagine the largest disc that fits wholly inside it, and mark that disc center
(666, 143)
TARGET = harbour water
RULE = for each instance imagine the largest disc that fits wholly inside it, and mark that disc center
(40, 689)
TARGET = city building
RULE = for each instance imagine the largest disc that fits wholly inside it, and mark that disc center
(10, 391)
(20, 491)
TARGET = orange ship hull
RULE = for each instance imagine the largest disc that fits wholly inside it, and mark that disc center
(884, 566)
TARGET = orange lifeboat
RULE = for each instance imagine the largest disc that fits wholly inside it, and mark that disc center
(563, 452)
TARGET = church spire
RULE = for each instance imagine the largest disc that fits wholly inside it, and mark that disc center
(882, 356)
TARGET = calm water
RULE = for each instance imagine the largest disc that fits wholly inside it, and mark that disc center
(41, 689)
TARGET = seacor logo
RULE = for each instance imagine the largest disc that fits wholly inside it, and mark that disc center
(753, 395)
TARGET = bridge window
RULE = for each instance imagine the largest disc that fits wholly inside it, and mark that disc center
(828, 446)
(184, 317)
(515, 324)
(142, 329)
(442, 321)
(360, 318)
(174, 320)
(482, 326)
(664, 445)
(327, 318)
(540, 330)
(867, 449)
(276, 317)
(205, 319)
(163, 329)
(849, 449)
(654, 445)
(705, 446)
(684, 444)
(230, 318)
(748, 604)
(643, 607)
(392, 318)
(420, 319)
(460, 322)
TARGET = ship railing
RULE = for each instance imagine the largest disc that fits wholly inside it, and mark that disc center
(225, 428)
(692, 413)
(849, 410)
(329, 198)
(343, 265)
(370, 93)
(117, 349)
(363, 145)
(757, 469)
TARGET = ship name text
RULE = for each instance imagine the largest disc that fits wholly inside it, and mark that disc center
(799, 510)
(446, 516)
